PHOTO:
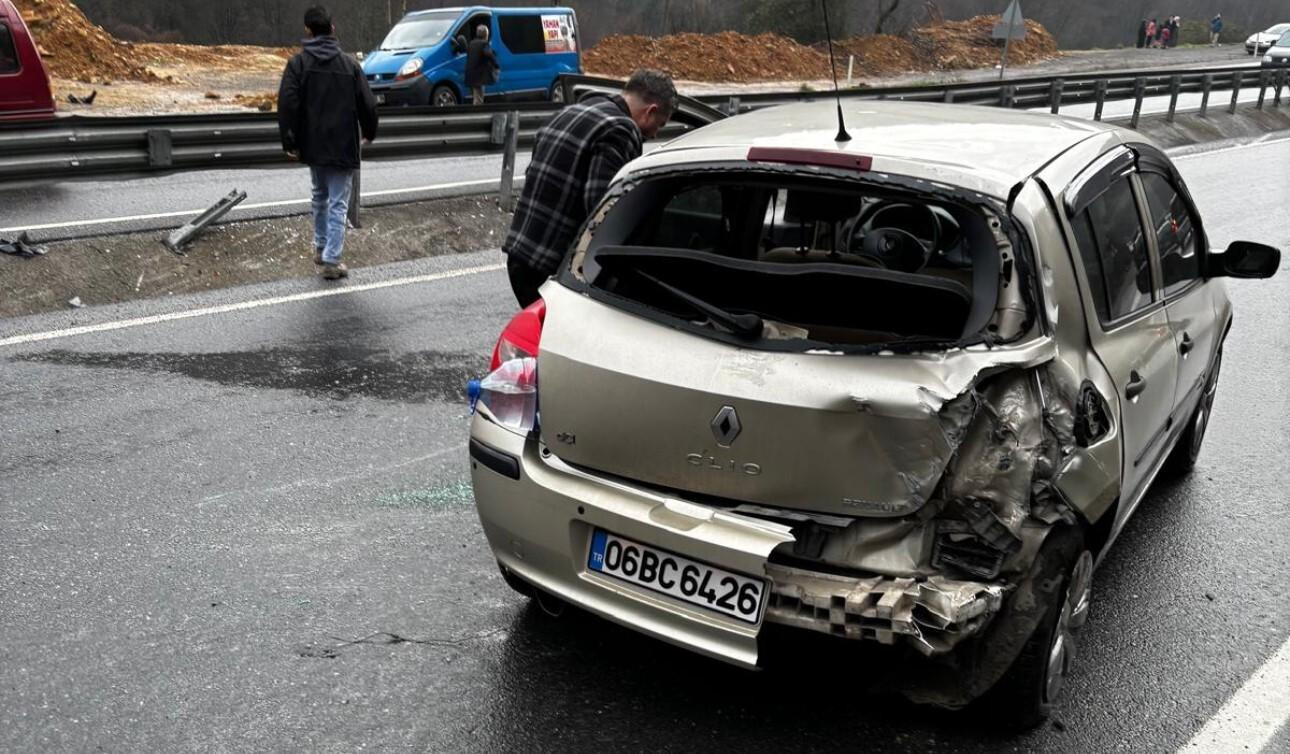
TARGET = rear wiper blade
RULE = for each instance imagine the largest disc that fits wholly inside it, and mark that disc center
(742, 325)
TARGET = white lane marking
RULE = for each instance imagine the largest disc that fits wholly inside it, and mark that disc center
(1253, 715)
(245, 305)
(243, 207)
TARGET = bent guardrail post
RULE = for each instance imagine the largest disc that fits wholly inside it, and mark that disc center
(1206, 84)
(1279, 81)
(1139, 92)
(1236, 91)
(176, 241)
(1099, 96)
(506, 192)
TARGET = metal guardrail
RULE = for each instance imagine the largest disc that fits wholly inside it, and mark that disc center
(73, 147)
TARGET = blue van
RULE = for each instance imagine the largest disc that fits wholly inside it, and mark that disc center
(420, 62)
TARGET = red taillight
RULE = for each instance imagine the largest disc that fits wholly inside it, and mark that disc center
(823, 158)
(521, 337)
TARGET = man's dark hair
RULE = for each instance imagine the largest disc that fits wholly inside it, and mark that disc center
(654, 87)
(318, 20)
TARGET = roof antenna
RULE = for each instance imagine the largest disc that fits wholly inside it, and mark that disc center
(833, 63)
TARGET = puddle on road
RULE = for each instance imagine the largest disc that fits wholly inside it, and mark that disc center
(337, 373)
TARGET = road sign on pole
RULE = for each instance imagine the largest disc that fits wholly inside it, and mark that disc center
(1011, 26)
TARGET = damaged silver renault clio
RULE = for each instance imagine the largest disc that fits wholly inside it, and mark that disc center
(905, 389)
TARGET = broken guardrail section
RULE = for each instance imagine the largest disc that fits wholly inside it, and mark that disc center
(183, 236)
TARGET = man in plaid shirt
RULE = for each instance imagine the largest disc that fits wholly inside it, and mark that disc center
(576, 155)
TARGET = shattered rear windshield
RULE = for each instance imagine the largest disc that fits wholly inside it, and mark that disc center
(789, 258)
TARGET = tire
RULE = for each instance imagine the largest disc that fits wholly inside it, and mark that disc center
(1184, 455)
(444, 96)
(556, 94)
(1028, 692)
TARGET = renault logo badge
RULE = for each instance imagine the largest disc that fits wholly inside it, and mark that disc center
(725, 426)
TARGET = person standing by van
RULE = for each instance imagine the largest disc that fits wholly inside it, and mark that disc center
(324, 108)
(481, 64)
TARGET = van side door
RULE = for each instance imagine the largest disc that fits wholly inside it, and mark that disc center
(1127, 322)
(524, 41)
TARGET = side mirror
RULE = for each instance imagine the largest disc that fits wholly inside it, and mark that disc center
(1246, 259)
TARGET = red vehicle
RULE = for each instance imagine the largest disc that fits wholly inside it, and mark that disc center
(24, 83)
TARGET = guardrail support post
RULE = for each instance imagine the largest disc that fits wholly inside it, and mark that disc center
(160, 148)
(355, 198)
(1263, 88)
(1099, 94)
(1007, 96)
(1055, 95)
(1236, 91)
(949, 97)
(1139, 91)
(506, 196)
(1206, 84)
(732, 106)
(1279, 82)
(1175, 86)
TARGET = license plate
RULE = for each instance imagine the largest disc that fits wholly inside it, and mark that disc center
(687, 580)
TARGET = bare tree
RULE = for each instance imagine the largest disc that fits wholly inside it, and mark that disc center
(884, 14)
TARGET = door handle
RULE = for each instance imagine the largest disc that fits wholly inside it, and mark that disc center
(1136, 385)
(1186, 345)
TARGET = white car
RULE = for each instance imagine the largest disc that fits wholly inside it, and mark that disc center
(1278, 55)
(1263, 40)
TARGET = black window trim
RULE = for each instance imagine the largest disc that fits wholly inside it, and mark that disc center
(1117, 164)
(501, 38)
(13, 43)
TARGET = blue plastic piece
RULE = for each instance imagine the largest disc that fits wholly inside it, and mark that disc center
(473, 391)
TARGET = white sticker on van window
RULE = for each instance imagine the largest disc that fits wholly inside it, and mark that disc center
(558, 31)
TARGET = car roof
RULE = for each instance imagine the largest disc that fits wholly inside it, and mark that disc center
(983, 148)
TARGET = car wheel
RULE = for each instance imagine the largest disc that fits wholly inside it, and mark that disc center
(1183, 458)
(1028, 692)
(444, 96)
(557, 93)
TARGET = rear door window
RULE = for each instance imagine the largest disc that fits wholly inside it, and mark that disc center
(8, 54)
(1113, 248)
(1175, 230)
(522, 35)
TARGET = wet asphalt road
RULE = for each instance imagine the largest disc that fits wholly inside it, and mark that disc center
(254, 531)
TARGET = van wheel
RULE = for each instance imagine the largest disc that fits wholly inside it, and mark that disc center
(444, 96)
(1183, 457)
(1028, 692)
(557, 93)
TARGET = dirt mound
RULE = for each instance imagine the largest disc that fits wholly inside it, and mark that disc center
(733, 57)
(222, 57)
(728, 56)
(74, 48)
(956, 45)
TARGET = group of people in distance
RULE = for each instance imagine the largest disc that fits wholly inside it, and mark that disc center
(1156, 33)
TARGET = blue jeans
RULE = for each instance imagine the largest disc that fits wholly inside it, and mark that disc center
(331, 209)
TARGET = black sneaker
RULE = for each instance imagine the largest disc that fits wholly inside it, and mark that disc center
(335, 271)
(318, 260)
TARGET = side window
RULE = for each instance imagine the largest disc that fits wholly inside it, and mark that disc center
(1175, 230)
(692, 219)
(467, 29)
(522, 35)
(8, 55)
(1114, 251)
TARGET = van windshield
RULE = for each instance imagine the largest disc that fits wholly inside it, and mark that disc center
(416, 32)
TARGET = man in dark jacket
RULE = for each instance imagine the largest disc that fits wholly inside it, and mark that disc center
(324, 108)
(481, 64)
(577, 154)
